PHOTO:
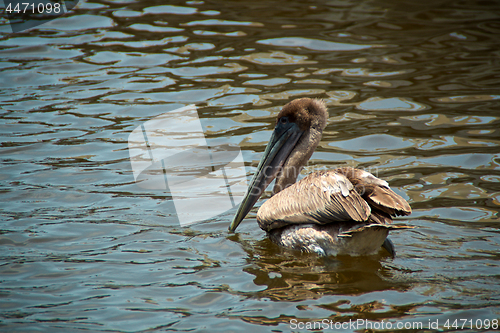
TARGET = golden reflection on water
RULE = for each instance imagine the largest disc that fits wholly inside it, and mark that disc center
(413, 97)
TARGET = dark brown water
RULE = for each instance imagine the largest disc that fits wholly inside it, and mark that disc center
(414, 96)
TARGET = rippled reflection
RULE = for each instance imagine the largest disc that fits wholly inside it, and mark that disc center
(413, 98)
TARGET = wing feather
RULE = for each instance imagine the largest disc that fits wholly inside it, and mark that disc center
(376, 192)
(320, 198)
(340, 195)
(388, 201)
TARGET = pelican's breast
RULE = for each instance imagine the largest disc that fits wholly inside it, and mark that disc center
(330, 240)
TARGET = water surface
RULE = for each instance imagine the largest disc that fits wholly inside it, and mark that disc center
(413, 96)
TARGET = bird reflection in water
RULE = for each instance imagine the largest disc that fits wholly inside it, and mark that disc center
(296, 276)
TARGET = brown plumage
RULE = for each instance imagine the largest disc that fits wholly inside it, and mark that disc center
(345, 210)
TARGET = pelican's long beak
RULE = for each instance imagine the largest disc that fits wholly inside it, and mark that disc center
(283, 141)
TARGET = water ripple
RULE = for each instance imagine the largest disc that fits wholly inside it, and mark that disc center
(413, 98)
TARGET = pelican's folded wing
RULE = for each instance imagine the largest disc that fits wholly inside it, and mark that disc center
(376, 192)
(320, 198)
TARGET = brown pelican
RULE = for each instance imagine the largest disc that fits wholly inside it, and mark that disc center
(341, 211)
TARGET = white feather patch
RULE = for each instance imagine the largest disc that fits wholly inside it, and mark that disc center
(341, 184)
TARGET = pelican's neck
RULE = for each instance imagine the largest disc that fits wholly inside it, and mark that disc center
(298, 159)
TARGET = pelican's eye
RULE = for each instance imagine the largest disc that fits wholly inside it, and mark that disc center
(284, 120)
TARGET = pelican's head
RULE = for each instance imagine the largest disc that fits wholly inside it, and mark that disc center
(297, 133)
